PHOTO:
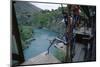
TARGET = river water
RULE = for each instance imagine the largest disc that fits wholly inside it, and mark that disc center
(41, 43)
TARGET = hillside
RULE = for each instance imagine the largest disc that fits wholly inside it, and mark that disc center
(25, 7)
(24, 11)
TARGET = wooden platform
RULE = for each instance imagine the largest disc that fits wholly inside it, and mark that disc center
(79, 53)
(82, 30)
(43, 58)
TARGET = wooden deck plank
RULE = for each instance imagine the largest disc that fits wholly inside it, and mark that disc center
(43, 58)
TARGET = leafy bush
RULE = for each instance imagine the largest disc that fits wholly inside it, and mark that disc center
(26, 32)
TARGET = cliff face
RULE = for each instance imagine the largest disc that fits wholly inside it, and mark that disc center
(24, 11)
(25, 7)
